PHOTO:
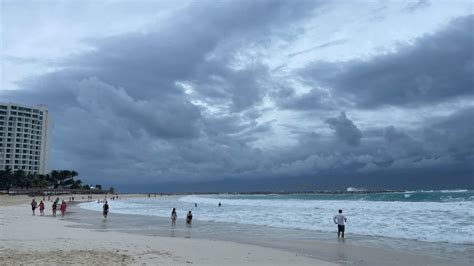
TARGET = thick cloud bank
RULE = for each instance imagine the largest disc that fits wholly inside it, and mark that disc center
(199, 100)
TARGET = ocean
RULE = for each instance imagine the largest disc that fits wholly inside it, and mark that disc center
(444, 216)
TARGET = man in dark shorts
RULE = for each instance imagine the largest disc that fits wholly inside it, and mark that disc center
(106, 209)
(340, 220)
(33, 206)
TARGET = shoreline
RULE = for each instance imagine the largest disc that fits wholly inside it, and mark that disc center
(324, 246)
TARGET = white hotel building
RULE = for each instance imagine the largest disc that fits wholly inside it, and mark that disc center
(24, 138)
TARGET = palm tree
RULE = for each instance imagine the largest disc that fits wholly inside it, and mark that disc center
(55, 178)
(5, 178)
(77, 184)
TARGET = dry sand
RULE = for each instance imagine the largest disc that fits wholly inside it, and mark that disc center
(27, 239)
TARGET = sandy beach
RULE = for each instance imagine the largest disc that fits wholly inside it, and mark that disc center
(27, 239)
(85, 237)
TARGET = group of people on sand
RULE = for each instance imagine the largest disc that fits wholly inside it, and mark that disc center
(62, 208)
(54, 207)
(174, 217)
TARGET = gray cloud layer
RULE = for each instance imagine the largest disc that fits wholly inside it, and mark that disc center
(434, 68)
(345, 129)
(170, 105)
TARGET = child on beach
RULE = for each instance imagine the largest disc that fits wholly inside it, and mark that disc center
(33, 206)
(106, 209)
(55, 206)
(63, 208)
(41, 206)
(174, 216)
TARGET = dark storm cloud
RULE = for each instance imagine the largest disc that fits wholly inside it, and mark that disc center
(119, 111)
(399, 144)
(442, 142)
(241, 89)
(149, 64)
(134, 109)
(55, 89)
(345, 129)
(152, 116)
(433, 69)
(440, 146)
(315, 99)
(453, 134)
(392, 135)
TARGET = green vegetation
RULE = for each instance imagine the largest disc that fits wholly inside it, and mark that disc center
(55, 179)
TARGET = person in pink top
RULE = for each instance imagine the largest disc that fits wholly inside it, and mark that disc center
(63, 208)
(41, 206)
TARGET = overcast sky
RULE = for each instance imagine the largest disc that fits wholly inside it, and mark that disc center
(248, 95)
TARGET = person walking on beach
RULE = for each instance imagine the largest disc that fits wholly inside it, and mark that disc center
(105, 209)
(33, 206)
(174, 216)
(340, 220)
(54, 207)
(189, 218)
(41, 206)
(62, 208)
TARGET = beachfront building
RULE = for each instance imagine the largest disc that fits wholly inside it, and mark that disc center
(24, 138)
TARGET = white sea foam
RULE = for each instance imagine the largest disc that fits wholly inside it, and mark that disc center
(354, 189)
(454, 191)
(449, 221)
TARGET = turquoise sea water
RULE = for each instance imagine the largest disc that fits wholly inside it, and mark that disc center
(458, 195)
(431, 216)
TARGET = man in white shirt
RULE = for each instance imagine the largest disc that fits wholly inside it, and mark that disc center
(340, 220)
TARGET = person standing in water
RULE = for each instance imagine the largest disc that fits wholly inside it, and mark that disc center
(41, 206)
(189, 218)
(33, 206)
(340, 220)
(105, 209)
(174, 216)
